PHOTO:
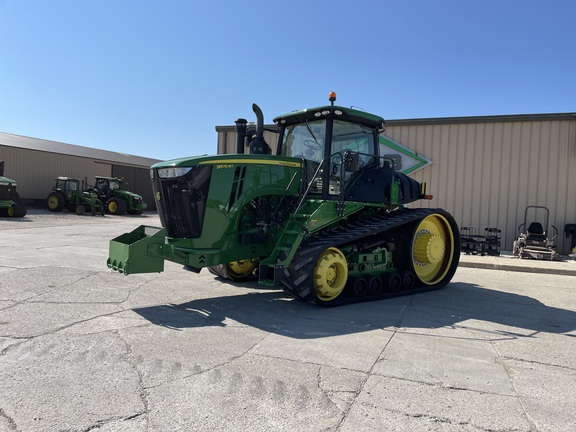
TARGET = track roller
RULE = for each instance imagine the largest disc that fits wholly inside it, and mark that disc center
(391, 281)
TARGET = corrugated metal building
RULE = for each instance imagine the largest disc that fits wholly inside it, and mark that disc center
(487, 170)
(35, 163)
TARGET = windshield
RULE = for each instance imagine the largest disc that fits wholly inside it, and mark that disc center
(114, 184)
(305, 140)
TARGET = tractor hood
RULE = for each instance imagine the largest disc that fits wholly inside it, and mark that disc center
(229, 160)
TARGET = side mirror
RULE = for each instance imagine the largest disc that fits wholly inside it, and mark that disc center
(351, 161)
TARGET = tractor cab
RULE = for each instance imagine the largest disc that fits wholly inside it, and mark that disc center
(67, 186)
(107, 185)
(339, 148)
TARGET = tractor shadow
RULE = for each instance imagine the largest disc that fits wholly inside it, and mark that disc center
(459, 305)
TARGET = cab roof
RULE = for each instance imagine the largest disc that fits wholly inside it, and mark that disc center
(346, 114)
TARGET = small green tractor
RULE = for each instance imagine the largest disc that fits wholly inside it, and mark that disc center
(116, 200)
(67, 194)
(11, 204)
(324, 219)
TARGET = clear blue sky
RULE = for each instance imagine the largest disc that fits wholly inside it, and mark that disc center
(154, 78)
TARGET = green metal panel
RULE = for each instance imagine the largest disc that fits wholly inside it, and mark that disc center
(139, 251)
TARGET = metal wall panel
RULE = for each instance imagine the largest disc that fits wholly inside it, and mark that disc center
(486, 174)
(35, 172)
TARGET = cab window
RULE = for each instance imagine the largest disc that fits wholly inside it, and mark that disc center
(305, 140)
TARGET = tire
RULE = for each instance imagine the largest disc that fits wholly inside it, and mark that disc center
(20, 210)
(80, 210)
(116, 206)
(238, 271)
(55, 201)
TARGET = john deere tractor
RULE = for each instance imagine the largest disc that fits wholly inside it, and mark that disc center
(67, 193)
(324, 219)
(116, 200)
(10, 203)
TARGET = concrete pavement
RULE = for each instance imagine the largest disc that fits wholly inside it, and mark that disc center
(85, 349)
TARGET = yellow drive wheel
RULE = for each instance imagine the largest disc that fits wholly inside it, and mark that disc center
(433, 249)
(330, 274)
(10, 211)
(240, 269)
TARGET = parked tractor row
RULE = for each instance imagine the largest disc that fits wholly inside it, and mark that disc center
(106, 196)
(75, 195)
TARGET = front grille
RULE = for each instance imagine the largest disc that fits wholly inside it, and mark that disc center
(5, 191)
(182, 202)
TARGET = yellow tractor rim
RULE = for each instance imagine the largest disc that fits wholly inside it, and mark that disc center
(52, 202)
(11, 211)
(432, 249)
(112, 206)
(330, 274)
(241, 268)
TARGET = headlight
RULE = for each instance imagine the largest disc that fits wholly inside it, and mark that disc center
(172, 172)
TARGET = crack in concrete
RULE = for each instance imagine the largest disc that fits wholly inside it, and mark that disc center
(11, 423)
(510, 373)
(447, 421)
(552, 365)
(143, 392)
(397, 325)
(97, 425)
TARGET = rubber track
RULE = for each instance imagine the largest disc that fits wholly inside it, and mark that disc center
(297, 277)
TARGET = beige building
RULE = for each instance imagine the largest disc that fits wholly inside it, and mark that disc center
(487, 170)
(35, 163)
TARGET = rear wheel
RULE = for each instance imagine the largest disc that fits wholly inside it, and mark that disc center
(55, 201)
(435, 250)
(116, 206)
(238, 271)
(241, 269)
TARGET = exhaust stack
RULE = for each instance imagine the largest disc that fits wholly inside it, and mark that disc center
(258, 145)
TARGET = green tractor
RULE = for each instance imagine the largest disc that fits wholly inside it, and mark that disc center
(67, 194)
(325, 219)
(115, 200)
(10, 203)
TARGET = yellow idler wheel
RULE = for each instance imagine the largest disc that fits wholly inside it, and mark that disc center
(240, 269)
(330, 274)
(433, 249)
